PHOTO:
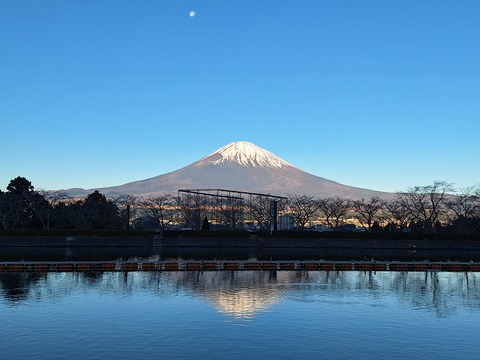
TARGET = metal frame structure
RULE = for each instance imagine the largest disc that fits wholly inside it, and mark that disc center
(230, 209)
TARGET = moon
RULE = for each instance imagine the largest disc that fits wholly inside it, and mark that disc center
(192, 13)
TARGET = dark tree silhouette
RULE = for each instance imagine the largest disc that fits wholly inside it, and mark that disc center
(16, 209)
(334, 210)
(193, 208)
(366, 210)
(427, 204)
(20, 186)
(205, 224)
(94, 213)
(160, 208)
(302, 208)
(103, 213)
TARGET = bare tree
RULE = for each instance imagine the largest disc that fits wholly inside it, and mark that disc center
(465, 207)
(127, 208)
(334, 210)
(194, 208)
(11, 210)
(466, 204)
(398, 210)
(427, 203)
(161, 208)
(366, 210)
(302, 208)
(228, 210)
(259, 209)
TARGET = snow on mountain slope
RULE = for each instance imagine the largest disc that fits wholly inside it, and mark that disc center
(246, 154)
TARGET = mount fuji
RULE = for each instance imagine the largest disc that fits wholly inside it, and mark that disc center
(240, 166)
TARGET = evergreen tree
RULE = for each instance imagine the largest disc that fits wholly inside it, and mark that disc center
(205, 224)
(20, 186)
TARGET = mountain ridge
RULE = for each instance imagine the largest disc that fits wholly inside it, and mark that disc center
(240, 166)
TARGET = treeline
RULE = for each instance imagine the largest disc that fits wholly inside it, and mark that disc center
(21, 207)
(436, 208)
(433, 208)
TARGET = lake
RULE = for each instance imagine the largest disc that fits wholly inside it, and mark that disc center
(240, 315)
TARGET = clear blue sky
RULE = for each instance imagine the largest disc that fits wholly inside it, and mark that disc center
(378, 94)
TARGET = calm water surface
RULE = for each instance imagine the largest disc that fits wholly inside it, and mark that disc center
(240, 315)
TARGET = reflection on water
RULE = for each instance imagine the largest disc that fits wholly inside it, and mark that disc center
(239, 315)
(107, 254)
(242, 294)
(237, 294)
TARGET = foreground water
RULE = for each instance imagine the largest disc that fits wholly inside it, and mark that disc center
(238, 315)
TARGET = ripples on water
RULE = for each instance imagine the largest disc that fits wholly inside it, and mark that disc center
(238, 315)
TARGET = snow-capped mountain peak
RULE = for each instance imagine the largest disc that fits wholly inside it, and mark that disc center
(240, 166)
(246, 154)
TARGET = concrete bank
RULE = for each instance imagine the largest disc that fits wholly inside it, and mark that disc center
(250, 242)
(75, 241)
